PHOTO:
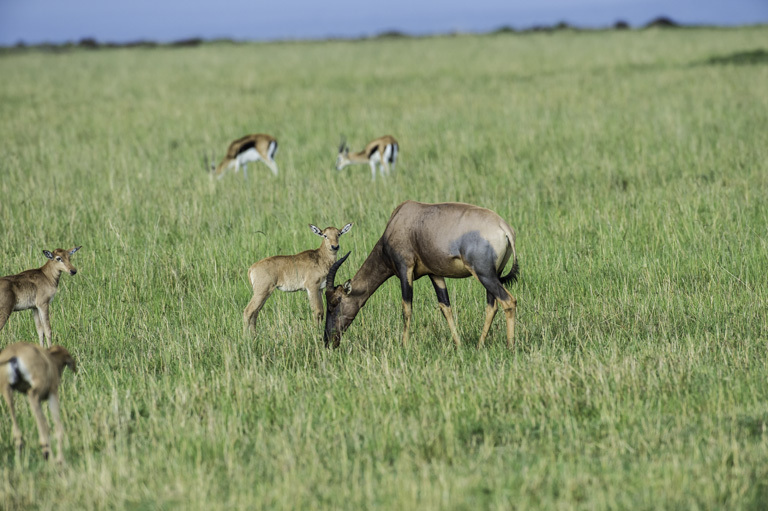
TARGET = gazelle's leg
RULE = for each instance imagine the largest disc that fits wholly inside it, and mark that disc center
(39, 326)
(42, 424)
(6, 309)
(15, 430)
(254, 306)
(53, 404)
(45, 319)
(445, 306)
(316, 304)
(373, 169)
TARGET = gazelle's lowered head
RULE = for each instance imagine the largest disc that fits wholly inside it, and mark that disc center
(303, 271)
(257, 147)
(381, 151)
(446, 240)
(34, 289)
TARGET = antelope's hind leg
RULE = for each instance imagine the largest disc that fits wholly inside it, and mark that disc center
(505, 300)
(253, 308)
(15, 430)
(42, 424)
(490, 313)
(445, 306)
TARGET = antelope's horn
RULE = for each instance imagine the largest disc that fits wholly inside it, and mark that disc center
(330, 279)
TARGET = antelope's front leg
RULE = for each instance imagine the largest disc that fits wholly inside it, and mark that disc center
(43, 323)
(406, 283)
(39, 325)
(373, 169)
(316, 304)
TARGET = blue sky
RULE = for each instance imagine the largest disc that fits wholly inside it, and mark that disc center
(35, 21)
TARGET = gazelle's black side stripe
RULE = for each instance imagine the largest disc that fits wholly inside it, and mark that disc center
(248, 145)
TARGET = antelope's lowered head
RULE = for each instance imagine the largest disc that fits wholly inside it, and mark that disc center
(381, 152)
(250, 148)
(445, 240)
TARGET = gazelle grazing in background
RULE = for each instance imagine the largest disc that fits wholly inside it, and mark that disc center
(258, 147)
(304, 271)
(451, 240)
(382, 152)
(34, 289)
(36, 372)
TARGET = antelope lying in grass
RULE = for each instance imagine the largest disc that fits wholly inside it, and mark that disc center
(258, 147)
(304, 271)
(382, 152)
(34, 289)
(36, 372)
(451, 240)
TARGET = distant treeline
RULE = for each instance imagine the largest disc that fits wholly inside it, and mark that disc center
(92, 43)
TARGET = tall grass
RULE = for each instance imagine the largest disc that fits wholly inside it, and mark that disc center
(633, 166)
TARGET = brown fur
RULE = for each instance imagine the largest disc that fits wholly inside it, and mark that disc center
(305, 271)
(35, 289)
(38, 376)
(261, 143)
(373, 154)
(446, 240)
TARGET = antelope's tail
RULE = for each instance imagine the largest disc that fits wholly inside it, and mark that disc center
(510, 277)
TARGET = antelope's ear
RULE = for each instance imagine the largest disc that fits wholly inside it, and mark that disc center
(72, 364)
(48, 254)
(348, 286)
(345, 229)
(73, 250)
(316, 230)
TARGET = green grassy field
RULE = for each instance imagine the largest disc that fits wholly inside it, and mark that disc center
(633, 165)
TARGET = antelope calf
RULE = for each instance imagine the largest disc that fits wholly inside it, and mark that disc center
(36, 372)
(449, 239)
(304, 271)
(382, 152)
(258, 147)
(34, 289)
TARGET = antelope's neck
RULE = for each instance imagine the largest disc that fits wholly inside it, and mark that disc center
(53, 274)
(372, 274)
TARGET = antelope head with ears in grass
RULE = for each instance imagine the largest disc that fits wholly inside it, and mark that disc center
(34, 289)
(450, 239)
(382, 152)
(36, 372)
(305, 271)
(257, 147)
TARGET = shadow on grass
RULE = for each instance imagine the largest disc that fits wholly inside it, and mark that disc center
(741, 58)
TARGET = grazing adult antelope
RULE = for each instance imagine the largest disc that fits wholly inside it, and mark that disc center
(34, 289)
(258, 147)
(304, 271)
(36, 372)
(382, 152)
(449, 239)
